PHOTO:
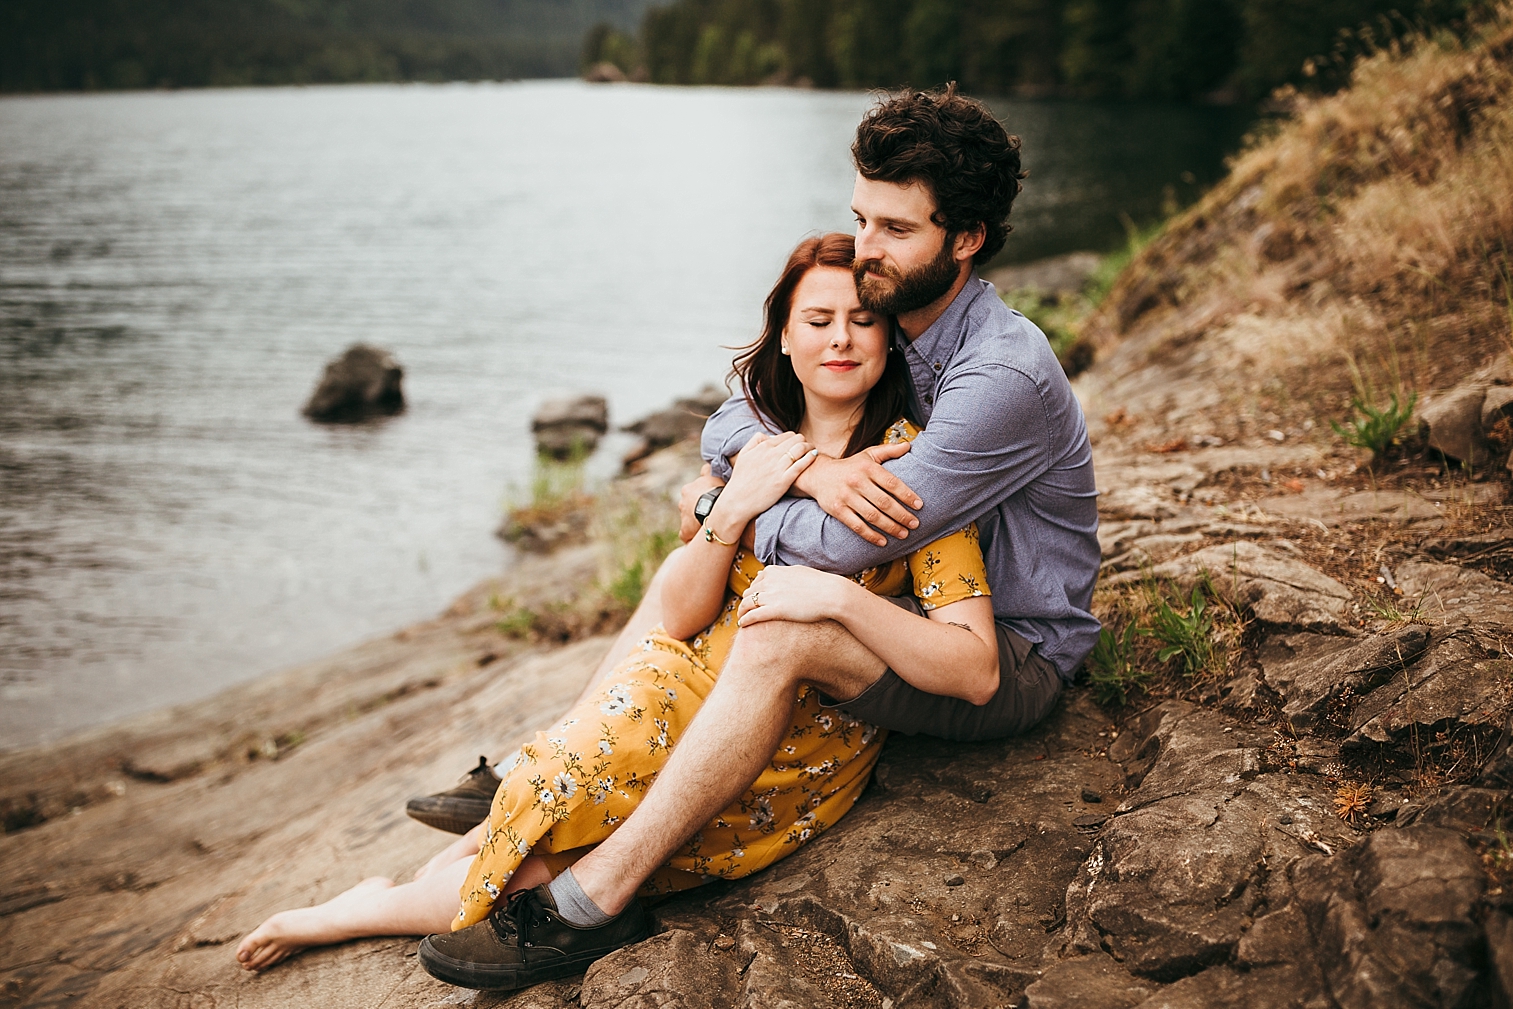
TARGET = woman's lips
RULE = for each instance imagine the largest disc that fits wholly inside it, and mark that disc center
(841, 365)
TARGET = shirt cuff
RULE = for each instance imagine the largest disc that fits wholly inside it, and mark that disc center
(768, 525)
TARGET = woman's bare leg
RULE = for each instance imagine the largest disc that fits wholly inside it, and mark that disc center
(373, 907)
(465, 846)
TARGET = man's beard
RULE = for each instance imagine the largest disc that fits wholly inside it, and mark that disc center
(886, 291)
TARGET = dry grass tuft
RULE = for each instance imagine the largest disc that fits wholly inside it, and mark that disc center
(1351, 800)
(1373, 226)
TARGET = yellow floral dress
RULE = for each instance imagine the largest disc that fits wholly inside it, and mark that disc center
(573, 784)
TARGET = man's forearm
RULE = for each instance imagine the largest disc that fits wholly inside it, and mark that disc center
(726, 432)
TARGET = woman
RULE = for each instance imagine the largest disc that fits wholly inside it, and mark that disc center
(823, 370)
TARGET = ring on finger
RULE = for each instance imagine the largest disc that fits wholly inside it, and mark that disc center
(756, 599)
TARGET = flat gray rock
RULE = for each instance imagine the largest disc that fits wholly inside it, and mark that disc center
(1092, 981)
(1170, 885)
(1309, 670)
(1390, 921)
(1279, 589)
(1447, 592)
(1331, 507)
(1455, 682)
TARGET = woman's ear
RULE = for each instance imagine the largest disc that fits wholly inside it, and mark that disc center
(783, 340)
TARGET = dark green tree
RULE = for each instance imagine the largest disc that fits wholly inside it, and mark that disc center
(932, 42)
(866, 42)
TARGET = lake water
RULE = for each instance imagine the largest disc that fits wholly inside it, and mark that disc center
(176, 268)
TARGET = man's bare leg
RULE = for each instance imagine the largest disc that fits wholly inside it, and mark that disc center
(646, 616)
(726, 746)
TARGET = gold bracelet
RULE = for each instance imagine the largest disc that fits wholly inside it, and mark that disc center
(711, 537)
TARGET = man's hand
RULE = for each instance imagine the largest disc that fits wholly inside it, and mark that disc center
(692, 491)
(862, 494)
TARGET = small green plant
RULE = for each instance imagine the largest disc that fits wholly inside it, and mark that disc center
(518, 623)
(1185, 633)
(1375, 427)
(628, 584)
(557, 508)
(1389, 610)
(1111, 668)
(1136, 238)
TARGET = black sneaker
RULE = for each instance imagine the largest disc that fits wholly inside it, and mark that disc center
(526, 942)
(459, 809)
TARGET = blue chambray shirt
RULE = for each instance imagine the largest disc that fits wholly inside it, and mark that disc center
(1004, 443)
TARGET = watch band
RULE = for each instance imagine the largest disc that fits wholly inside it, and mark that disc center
(705, 504)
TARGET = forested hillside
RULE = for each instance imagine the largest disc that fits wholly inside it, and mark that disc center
(1160, 49)
(73, 44)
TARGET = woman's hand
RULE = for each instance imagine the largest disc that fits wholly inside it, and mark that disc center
(800, 594)
(764, 470)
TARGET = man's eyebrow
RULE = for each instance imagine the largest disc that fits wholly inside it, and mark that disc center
(900, 222)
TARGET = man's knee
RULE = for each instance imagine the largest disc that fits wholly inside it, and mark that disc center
(788, 653)
(786, 642)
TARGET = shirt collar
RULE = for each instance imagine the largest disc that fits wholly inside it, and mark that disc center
(937, 344)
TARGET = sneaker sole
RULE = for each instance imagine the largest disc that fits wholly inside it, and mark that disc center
(455, 816)
(486, 977)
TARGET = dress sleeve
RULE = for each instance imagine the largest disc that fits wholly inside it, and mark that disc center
(949, 570)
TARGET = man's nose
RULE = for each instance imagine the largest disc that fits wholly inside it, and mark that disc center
(866, 243)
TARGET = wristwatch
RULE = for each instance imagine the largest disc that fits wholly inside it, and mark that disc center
(705, 504)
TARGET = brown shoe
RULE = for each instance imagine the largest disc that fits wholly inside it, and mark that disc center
(458, 810)
(527, 942)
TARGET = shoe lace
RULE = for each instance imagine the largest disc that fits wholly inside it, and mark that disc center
(483, 765)
(514, 922)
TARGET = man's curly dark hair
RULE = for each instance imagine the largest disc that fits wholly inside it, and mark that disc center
(953, 145)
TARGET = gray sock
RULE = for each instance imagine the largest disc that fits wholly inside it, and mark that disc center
(573, 905)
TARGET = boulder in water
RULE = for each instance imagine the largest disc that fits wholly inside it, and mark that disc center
(570, 426)
(363, 383)
(604, 72)
(684, 419)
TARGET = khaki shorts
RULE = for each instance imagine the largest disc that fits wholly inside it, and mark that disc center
(1028, 687)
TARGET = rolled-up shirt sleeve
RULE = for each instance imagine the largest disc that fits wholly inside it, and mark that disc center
(727, 431)
(987, 437)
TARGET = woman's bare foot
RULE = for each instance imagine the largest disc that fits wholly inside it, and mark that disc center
(289, 932)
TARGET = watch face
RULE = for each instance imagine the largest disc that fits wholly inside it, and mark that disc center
(705, 504)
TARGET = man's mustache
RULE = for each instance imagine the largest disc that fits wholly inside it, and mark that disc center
(861, 268)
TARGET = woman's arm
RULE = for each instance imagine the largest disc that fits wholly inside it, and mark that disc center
(695, 586)
(952, 651)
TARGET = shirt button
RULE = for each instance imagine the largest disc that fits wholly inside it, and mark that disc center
(929, 399)
(937, 366)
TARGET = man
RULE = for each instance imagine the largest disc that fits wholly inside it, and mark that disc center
(1004, 444)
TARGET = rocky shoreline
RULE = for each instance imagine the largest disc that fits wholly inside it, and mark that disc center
(1186, 850)
(1285, 780)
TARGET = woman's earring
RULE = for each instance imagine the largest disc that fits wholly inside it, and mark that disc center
(785, 348)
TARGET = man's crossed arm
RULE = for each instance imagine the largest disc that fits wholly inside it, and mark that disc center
(857, 490)
(976, 451)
